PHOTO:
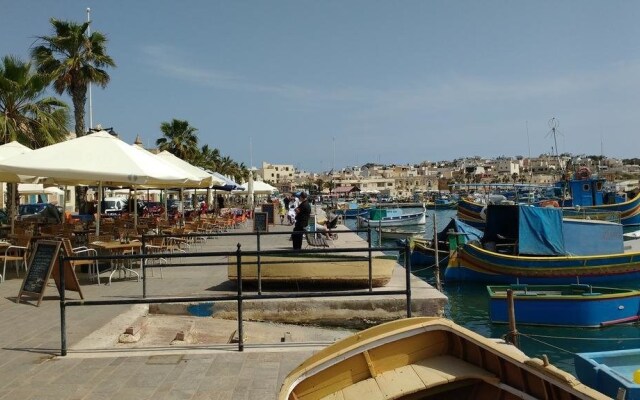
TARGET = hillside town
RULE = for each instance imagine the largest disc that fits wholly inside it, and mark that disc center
(407, 182)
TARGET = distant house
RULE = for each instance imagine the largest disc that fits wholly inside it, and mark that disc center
(345, 191)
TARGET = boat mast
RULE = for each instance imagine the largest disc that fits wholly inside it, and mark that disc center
(553, 124)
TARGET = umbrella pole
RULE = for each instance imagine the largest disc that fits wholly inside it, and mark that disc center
(135, 208)
(98, 208)
(14, 186)
(182, 204)
(166, 212)
(64, 205)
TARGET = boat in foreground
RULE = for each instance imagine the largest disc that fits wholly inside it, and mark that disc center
(427, 358)
(535, 245)
(611, 372)
(577, 305)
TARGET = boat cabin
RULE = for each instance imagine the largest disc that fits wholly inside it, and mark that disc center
(542, 231)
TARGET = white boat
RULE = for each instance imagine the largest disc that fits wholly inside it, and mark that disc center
(382, 217)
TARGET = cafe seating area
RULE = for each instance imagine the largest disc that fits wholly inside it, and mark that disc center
(119, 235)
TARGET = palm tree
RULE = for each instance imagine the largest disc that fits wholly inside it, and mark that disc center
(227, 166)
(207, 158)
(25, 115)
(74, 60)
(242, 173)
(179, 139)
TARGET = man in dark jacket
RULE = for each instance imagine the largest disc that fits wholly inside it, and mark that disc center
(303, 212)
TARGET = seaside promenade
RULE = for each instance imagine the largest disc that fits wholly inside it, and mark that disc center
(97, 367)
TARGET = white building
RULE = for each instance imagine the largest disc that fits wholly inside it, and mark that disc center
(277, 173)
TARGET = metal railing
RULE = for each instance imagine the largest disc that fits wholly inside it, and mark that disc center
(240, 295)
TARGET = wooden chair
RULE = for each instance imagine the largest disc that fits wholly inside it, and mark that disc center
(156, 245)
(92, 265)
(17, 253)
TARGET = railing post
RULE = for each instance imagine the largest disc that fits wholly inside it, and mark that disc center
(239, 273)
(258, 260)
(143, 265)
(407, 268)
(512, 335)
(63, 315)
(370, 261)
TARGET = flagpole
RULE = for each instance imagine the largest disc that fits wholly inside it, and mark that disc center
(90, 103)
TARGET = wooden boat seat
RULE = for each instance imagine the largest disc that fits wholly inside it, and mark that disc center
(426, 374)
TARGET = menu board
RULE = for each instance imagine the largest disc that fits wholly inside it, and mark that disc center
(41, 263)
(260, 222)
(269, 209)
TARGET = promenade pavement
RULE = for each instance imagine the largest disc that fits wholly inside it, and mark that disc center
(31, 368)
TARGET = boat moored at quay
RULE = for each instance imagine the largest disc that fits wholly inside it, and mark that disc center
(536, 245)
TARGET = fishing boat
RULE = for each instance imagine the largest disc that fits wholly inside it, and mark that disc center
(581, 196)
(441, 202)
(383, 217)
(536, 245)
(351, 209)
(427, 358)
(615, 373)
(423, 250)
(576, 305)
(330, 269)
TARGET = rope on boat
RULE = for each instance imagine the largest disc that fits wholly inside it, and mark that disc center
(535, 339)
(576, 338)
(545, 343)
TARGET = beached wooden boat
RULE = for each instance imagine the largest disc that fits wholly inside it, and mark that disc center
(427, 358)
(536, 245)
(576, 305)
(398, 233)
(315, 268)
(383, 217)
(609, 372)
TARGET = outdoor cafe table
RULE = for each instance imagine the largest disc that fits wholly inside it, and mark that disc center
(115, 247)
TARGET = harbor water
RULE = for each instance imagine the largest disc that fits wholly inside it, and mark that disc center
(468, 306)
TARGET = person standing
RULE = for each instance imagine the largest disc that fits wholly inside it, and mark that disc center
(303, 212)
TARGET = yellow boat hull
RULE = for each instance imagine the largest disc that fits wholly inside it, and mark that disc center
(427, 358)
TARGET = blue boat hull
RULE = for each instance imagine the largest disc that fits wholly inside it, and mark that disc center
(606, 371)
(545, 305)
(472, 263)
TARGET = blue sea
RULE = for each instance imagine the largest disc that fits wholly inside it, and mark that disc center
(469, 306)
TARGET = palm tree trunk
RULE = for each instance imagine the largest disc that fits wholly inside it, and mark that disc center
(79, 98)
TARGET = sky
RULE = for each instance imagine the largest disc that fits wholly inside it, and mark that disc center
(336, 83)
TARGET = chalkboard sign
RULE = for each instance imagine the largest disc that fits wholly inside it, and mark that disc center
(260, 222)
(268, 208)
(44, 256)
